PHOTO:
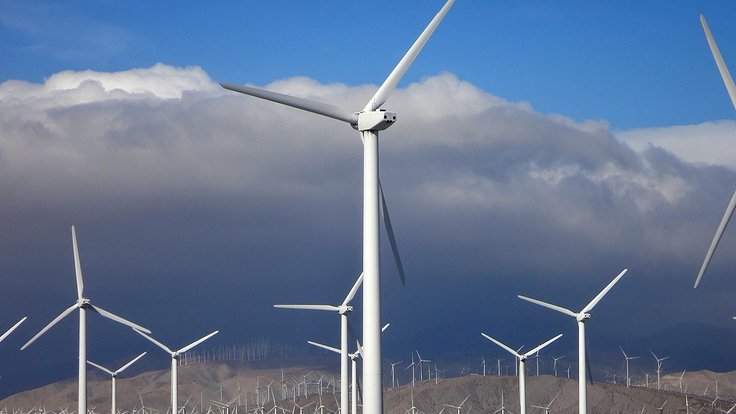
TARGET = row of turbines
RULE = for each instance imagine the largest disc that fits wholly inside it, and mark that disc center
(369, 122)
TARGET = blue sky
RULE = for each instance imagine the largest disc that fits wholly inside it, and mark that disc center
(541, 148)
(632, 64)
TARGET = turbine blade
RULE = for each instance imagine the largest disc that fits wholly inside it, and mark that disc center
(466, 399)
(309, 307)
(516, 354)
(600, 296)
(622, 351)
(132, 361)
(77, 266)
(353, 291)
(101, 367)
(535, 350)
(549, 306)
(56, 320)
(329, 348)
(9, 331)
(722, 68)
(319, 108)
(716, 239)
(118, 319)
(197, 342)
(155, 342)
(393, 79)
(385, 327)
(391, 238)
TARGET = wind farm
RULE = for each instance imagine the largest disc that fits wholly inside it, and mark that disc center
(525, 165)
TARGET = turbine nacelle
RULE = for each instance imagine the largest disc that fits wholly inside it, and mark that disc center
(582, 317)
(374, 120)
(344, 309)
(84, 303)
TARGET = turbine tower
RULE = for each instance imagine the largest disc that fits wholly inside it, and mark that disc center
(581, 317)
(723, 69)
(368, 122)
(174, 363)
(83, 304)
(114, 375)
(343, 310)
(522, 366)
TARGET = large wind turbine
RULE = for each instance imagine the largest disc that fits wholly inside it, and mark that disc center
(581, 317)
(522, 366)
(114, 375)
(723, 69)
(174, 363)
(368, 122)
(83, 304)
(343, 310)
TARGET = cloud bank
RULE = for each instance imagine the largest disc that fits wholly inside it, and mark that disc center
(210, 206)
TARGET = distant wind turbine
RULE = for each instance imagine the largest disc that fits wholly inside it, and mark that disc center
(114, 375)
(522, 366)
(343, 310)
(369, 121)
(581, 317)
(82, 304)
(628, 358)
(659, 365)
(174, 364)
(728, 81)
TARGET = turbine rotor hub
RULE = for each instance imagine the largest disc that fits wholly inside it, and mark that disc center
(344, 310)
(84, 303)
(582, 317)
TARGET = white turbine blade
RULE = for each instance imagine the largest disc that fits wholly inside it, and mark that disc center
(353, 291)
(320, 108)
(622, 351)
(197, 342)
(722, 68)
(393, 79)
(77, 266)
(539, 348)
(100, 367)
(549, 306)
(155, 342)
(309, 307)
(327, 347)
(600, 296)
(9, 331)
(516, 354)
(390, 232)
(466, 399)
(385, 327)
(132, 361)
(118, 319)
(56, 320)
(716, 239)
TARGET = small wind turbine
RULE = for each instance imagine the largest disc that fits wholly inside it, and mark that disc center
(728, 81)
(661, 407)
(503, 408)
(547, 407)
(114, 375)
(628, 358)
(368, 122)
(174, 364)
(458, 407)
(659, 365)
(83, 304)
(581, 317)
(393, 375)
(555, 363)
(343, 310)
(522, 366)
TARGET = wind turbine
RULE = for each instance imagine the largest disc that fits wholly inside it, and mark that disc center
(555, 363)
(393, 374)
(343, 310)
(369, 121)
(458, 407)
(547, 407)
(659, 365)
(522, 366)
(628, 358)
(114, 375)
(83, 304)
(581, 317)
(503, 408)
(728, 81)
(174, 364)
